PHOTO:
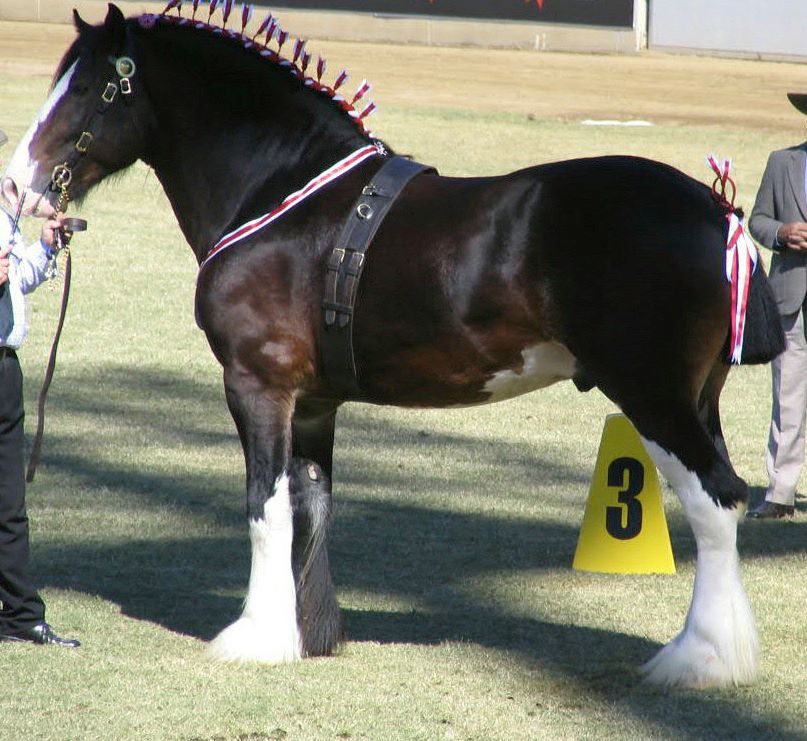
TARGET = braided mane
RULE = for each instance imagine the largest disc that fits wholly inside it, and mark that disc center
(271, 32)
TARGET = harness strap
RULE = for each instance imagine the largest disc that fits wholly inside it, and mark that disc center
(345, 266)
(289, 202)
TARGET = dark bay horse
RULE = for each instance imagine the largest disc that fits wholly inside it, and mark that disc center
(607, 271)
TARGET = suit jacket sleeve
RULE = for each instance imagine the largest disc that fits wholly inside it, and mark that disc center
(764, 222)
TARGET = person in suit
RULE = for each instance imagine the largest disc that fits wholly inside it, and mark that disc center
(22, 269)
(779, 222)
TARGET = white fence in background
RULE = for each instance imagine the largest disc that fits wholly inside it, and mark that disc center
(767, 29)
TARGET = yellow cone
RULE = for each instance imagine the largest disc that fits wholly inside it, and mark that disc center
(624, 529)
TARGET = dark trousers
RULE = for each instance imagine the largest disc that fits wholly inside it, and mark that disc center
(22, 607)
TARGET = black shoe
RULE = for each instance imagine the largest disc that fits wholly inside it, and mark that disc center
(770, 511)
(41, 634)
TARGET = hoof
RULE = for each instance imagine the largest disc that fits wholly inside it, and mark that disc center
(245, 641)
(691, 663)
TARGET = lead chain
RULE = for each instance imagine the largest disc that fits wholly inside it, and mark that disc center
(61, 241)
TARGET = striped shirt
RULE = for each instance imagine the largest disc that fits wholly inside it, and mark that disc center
(26, 270)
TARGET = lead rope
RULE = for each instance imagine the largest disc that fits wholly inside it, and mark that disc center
(61, 179)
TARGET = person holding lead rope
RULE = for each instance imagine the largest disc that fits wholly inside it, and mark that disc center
(22, 269)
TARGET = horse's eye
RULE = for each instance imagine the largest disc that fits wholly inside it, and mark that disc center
(79, 88)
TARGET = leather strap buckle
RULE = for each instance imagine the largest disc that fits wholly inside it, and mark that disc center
(84, 141)
(110, 91)
(337, 258)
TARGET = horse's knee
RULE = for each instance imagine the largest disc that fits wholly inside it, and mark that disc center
(318, 612)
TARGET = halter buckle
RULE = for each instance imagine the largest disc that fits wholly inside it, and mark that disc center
(126, 86)
(110, 91)
(84, 141)
(61, 176)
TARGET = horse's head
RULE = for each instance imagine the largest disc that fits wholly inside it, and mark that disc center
(87, 128)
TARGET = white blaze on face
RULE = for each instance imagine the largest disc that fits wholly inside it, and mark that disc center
(22, 168)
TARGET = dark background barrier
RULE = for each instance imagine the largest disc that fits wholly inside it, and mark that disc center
(609, 13)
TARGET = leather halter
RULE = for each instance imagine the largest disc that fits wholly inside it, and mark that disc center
(63, 174)
(345, 267)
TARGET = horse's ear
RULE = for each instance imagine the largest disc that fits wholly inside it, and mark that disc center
(115, 24)
(114, 16)
(80, 24)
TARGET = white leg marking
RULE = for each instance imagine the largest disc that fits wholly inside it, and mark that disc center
(267, 629)
(718, 645)
(542, 365)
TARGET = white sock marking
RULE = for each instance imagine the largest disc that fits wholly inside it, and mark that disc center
(267, 629)
(718, 645)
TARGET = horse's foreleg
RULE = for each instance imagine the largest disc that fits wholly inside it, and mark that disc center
(718, 645)
(310, 476)
(268, 628)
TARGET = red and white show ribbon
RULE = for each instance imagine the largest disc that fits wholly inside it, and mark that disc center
(741, 260)
(320, 181)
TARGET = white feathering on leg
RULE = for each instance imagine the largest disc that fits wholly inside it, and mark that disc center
(718, 645)
(267, 630)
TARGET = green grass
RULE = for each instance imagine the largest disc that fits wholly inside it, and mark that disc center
(454, 531)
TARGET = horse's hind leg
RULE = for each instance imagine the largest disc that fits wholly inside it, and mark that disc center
(709, 406)
(268, 628)
(718, 644)
(310, 476)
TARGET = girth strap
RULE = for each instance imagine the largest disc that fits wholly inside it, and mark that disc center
(345, 267)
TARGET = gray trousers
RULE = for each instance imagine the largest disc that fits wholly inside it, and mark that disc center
(786, 438)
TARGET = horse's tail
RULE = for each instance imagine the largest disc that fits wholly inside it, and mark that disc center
(764, 338)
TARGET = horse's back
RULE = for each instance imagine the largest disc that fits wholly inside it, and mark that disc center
(470, 279)
(633, 254)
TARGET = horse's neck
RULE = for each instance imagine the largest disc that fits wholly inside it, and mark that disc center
(212, 194)
(233, 167)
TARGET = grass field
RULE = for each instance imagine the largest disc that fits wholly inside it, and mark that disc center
(454, 531)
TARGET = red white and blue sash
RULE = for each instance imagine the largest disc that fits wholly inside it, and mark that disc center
(320, 181)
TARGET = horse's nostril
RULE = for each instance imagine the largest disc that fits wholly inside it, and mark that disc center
(10, 191)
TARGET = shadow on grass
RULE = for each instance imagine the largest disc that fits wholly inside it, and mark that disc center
(186, 585)
(380, 545)
(577, 653)
(171, 410)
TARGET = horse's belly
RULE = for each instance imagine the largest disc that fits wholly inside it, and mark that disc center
(542, 365)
